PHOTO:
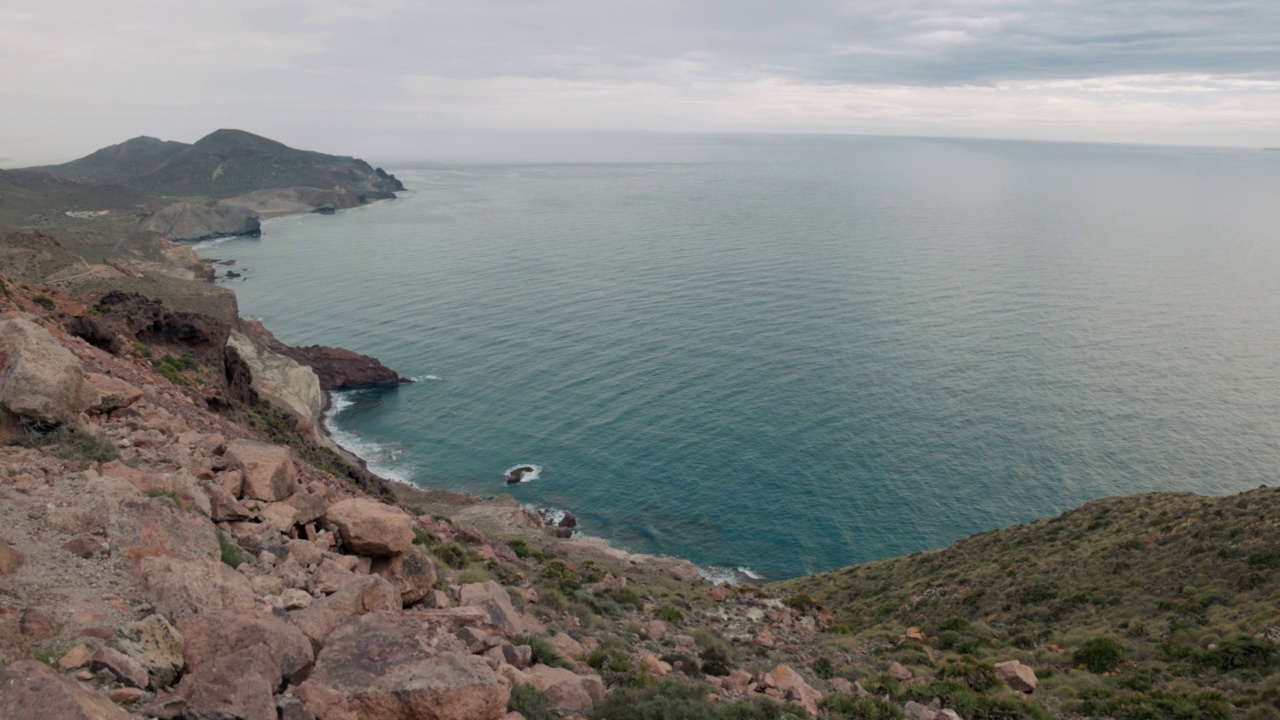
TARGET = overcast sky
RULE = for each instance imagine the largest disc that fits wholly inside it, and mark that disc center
(391, 79)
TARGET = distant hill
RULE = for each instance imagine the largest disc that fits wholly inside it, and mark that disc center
(1185, 585)
(224, 164)
(36, 199)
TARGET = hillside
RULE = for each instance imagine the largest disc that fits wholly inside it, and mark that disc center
(226, 163)
(31, 199)
(1181, 588)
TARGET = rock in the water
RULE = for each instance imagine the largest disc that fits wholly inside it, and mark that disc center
(189, 221)
(269, 474)
(156, 645)
(1017, 676)
(371, 528)
(39, 379)
(33, 691)
(405, 679)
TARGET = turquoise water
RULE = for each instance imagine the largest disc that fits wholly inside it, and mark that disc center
(795, 353)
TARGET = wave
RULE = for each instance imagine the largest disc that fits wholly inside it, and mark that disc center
(376, 456)
(420, 378)
(716, 574)
(528, 476)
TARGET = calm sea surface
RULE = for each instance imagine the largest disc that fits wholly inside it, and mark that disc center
(795, 353)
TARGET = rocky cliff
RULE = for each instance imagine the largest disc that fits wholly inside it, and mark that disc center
(192, 221)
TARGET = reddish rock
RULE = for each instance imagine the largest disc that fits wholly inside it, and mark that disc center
(371, 528)
(143, 528)
(113, 393)
(268, 469)
(223, 505)
(406, 678)
(125, 695)
(1017, 676)
(412, 573)
(43, 380)
(33, 691)
(566, 646)
(10, 558)
(83, 547)
(76, 658)
(899, 673)
(342, 369)
(795, 689)
(494, 600)
(279, 515)
(235, 685)
(567, 691)
(331, 576)
(362, 595)
(322, 701)
(310, 506)
(303, 552)
(125, 669)
(654, 630)
(212, 635)
(180, 588)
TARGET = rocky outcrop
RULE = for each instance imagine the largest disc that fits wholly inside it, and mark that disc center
(179, 589)
(156, 646)
(408, 677)
(280, 378)
(342, 369)
(39, 379)
(190, 222)
(1017, 676)
(267, 469)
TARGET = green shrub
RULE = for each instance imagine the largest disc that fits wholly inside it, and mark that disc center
(977, 676)
(670, 614)
(543, 652)
(675, 700)
(559, 575)
(844, 706)
(823, 668)
(1100, 655)
(423, 538)
(161, 492)
(530, 702)
(1269, 559)
(1244, 652)
(801, 603)
(451, 554)
(70, 443)
(43, 301)
(231, 554)
(715, 653)
(626, 596)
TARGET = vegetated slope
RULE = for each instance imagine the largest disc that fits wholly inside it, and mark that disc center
(1173, 596)
(29, 198)
(227, 163)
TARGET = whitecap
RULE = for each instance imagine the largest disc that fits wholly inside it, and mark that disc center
(527, 477)
(376, 457)
(420, 378)
(716, 574)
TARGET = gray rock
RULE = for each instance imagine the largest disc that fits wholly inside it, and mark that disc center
(189, 221)
(40, 379)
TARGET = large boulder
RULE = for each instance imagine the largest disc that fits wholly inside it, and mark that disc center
(412, 573)
(567, 691)
(365, 594)
(1017, 676)
(407, 678)
(191, 221)
(156, 645)
(280, 379)
(268, 469)
(179, 588)
(210, 636)
(39, 378)
(494, 600)
(33, 691)
(371, 528)
(145, 527)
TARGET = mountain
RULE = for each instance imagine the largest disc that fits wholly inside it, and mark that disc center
(227, 163)
(30, 199)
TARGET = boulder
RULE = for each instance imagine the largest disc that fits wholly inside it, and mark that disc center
(898, 672)
(33, 691)
(268, 469)
(1017, 676)
(567, 692)
(179, 588)
(947, 715)
(322, 701)
(281, 516)
(125, 695)
(795, 689)
(143, 527)
(10, 558)
(213, 635)
(412, 573)
(76, 658)
(407, 679)
(371, 528)
(303, 552)
(156, 645)
(566, 646)
(113, 393)
(39, 378)
(125, 669)
(331, 576)
(494, 600)
(364, 594)
(915, 711)
(310, 506)
(280, 378)
(235, 685)
(223, 505)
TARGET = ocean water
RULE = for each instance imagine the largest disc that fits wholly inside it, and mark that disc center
(789, 354)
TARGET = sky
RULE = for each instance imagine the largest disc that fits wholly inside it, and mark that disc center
(400, 79)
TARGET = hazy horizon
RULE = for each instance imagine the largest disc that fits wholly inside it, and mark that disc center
(381, 78)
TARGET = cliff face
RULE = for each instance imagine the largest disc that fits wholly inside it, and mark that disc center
(191, 221)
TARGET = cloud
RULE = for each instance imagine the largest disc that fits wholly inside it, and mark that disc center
(1196, 71)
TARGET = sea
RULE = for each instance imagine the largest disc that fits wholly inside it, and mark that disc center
(780, 354)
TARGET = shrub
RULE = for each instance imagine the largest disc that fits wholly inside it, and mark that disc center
(675, 700)
(43, 301)
(423, 538)
(670, 614)
(823, 668)
(1244, 652)
(161, 492)
(530, 702)
(977, 676)
(1269, 559)
(70, 443)
(626, 596)
(1100, 655)
(559, 575)
(844, 706)
(801, 603)
(451, 554)
(543, 652)
(231, 554)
